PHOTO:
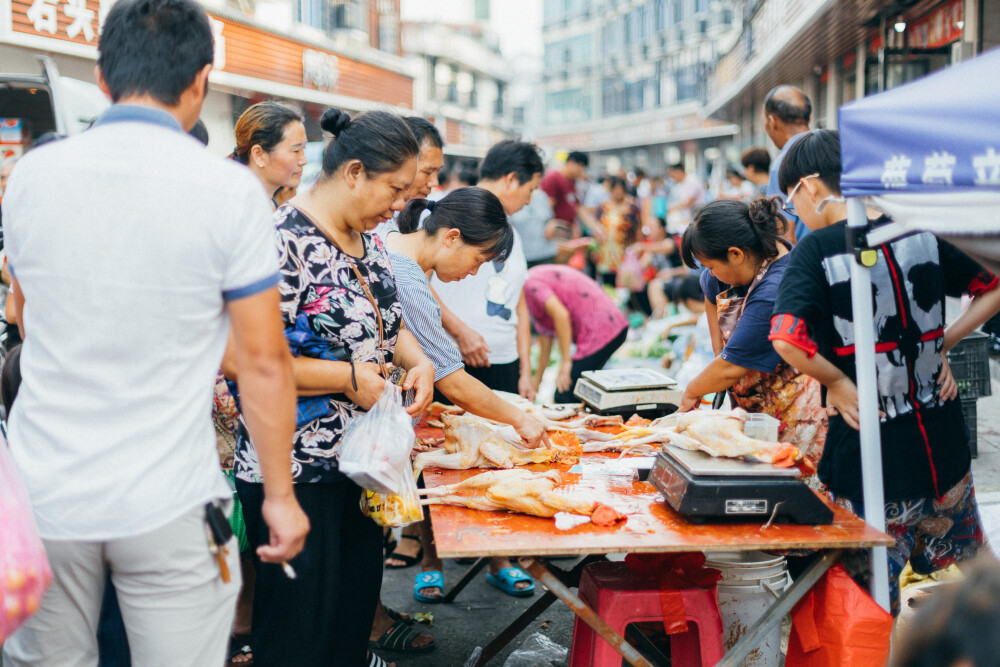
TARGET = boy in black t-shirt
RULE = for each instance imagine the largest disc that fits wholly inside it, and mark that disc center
(930, 500)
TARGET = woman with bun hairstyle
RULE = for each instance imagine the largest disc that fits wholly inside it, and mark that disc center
(344, 325)
(461, 232)
(741, 248)
(271, 141)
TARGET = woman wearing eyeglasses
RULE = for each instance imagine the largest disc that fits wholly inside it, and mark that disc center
(741, 248)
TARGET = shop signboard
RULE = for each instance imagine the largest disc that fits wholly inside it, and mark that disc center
(940, 27)
(241, 48)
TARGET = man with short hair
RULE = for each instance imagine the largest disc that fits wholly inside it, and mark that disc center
(756, 163)
(111, 431)
(511, 170)
(431, 158)
(688, 193)
(560, 185)
(786, 115)
(930, 502)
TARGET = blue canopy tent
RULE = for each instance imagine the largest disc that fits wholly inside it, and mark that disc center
(928, 155)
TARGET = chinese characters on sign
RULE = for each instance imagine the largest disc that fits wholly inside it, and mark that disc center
(44, 16)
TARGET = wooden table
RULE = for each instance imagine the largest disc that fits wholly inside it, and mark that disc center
(652, 527)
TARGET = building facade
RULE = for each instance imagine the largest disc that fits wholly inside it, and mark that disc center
(627, 79)
(461, 80)
(460, 84)
(312, 54)
(840, 50)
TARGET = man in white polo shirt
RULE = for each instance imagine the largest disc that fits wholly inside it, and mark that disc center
(133, 251)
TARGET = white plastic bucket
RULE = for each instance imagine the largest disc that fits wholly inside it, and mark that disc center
(751, 582)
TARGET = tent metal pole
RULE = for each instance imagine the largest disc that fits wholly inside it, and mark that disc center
(871, 441)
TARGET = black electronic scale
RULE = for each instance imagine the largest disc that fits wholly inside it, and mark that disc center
(704, 488)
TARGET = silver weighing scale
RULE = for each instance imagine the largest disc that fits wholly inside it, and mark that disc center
(705, 488)
(648, 392)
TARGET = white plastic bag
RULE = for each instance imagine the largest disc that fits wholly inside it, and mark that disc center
(537, 651)
(24, 568)
(375, 453)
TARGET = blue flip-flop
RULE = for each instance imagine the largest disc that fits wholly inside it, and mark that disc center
(507, 579)
(425, 580)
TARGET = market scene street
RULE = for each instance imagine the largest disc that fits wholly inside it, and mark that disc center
(466, 333)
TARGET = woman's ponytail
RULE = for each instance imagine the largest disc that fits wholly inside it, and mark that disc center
(476, 213)
(727, 223)
(409, 219)
(765, 214)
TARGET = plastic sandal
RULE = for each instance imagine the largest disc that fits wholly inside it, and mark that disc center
(397, 616)
(507, 578)
(399, 639)
(425, 580)
(409, 561)
(239, 646)
(375, 661)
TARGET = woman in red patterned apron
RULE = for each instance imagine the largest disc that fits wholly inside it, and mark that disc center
(741, 248)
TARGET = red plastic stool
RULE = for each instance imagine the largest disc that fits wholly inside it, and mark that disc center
(619, 596)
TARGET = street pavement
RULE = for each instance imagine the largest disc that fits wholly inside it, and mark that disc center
(986, 468)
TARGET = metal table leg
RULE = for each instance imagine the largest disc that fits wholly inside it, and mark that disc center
(514, 629)
(570, 578)
(584, 612)
(755, 634)
(469, 575)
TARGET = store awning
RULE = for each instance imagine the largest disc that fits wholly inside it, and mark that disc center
(929, 152)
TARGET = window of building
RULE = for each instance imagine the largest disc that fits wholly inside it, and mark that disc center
(687, 83)
(560, 10)
(388, 26)
(482, 10)
(567, 106)
(335, 15)
(572, 52)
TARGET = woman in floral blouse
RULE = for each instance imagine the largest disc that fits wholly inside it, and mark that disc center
(333, 274)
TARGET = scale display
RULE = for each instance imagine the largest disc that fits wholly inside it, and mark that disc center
(644, 391)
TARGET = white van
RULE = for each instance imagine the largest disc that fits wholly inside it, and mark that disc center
(34, 104)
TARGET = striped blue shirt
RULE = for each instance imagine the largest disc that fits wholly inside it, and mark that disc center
(422, 316)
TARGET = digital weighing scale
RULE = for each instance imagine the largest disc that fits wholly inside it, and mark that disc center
(648, 392)
(705, 488)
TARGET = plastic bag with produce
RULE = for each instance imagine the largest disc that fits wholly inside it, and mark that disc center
(375, 453)
(24, 568)
(394, 510)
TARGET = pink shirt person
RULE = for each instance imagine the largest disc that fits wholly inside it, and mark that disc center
(595, 318)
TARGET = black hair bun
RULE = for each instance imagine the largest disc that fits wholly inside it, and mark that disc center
(335, 121)
(764, 210)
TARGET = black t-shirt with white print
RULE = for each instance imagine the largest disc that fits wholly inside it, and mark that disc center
(924, 440)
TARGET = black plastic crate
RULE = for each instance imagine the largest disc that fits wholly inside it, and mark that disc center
(969, 410)
(970, 364)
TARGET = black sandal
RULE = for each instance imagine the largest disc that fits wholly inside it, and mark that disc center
(375, 661)
(409, 561)
(399, 639)
(239, 645)
(396, 616)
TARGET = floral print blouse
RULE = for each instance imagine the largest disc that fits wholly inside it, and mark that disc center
(326, 316)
